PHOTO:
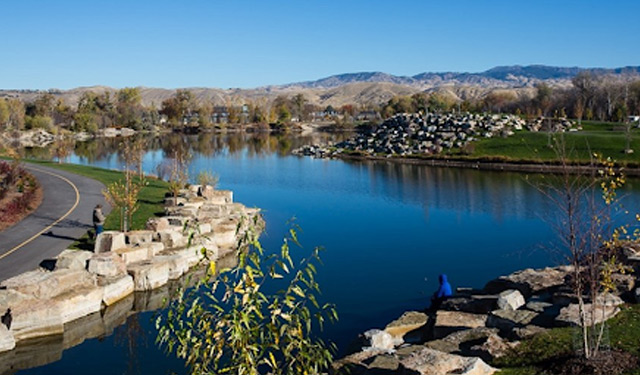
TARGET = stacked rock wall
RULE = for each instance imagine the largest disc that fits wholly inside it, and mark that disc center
(200, 223)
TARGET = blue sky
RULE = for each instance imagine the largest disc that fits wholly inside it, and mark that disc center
(64, 44)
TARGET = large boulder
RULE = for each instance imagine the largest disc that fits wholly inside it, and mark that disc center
(73, 259)
(507, 320)
(380, 340)
(448, 322)
(430, 362)
(33, 317)
(460, 342)
(224, 234)
(405, 326)
(605, 308)
(115, 288)
(494, 347)
(149, 275)
(178, 265)
(107, 264)
(475, 304)
(79, 302)
(510, 300)
(44, 284)
(529, 281)
(171, 239)
(109, 241)
(157, 224)
(7, 342)
(134, 254)
(140, 237)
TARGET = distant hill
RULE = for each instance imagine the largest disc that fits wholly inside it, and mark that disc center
(368, 87)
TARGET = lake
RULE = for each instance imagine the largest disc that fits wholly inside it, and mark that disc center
(388, 230)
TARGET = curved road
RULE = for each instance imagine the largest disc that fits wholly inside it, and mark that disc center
(64, 216)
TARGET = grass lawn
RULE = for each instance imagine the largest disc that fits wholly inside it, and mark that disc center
(624, 334)
(151, 199)
(605, 138)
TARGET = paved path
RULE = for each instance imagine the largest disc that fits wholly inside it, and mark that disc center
(64, 216)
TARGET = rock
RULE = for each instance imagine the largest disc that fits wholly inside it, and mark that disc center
(7, 342)
(476, 304)
(529, 281)
(506, 320)
(140, 237)
(44, 284)
(430, 362)
(380, 340)
(219, 196)
(409, 322)
(178, 265)
(448, 322)
(79, 302)
(171, 201)
(35, 317)
(73, 259)
(523, 333)
(604, 309)
(210, 210)
(115, 288)
(107, 264)
(538, 306)
(510, 300)
(109, 241)
(224, 234)
(171, 239)
(205, 228)
(149, 275)
(384, 363)
(494, 347)
(460, 342)
(136, 254)
(158, 224)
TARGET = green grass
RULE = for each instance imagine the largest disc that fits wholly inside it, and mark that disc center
(624, 334)
(608, 139)
(151, 199)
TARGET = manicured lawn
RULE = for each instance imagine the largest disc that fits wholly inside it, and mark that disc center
(624, 334)
(150, 201)
(608, 139)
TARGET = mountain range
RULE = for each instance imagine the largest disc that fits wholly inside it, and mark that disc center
(369, 87)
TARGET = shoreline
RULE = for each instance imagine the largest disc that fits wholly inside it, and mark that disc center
(478, 164)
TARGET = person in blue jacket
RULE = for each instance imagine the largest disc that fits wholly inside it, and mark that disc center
(443, 292)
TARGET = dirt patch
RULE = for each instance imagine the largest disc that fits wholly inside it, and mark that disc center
(605, 363)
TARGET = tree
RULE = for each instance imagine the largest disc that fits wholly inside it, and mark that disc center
(587, 240)
(129, 107)
(179, 107)
(299, 102)
(231, 324)
(123, 194)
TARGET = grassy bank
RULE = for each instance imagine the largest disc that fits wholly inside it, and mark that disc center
(533, 355)
(606, 138)
(151, 197)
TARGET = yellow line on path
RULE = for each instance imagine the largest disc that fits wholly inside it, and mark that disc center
(55, 222)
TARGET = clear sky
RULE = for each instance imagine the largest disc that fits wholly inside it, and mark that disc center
(237, 43)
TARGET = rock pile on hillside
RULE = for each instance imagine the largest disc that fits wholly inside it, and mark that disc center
(475, 326)
(554, 125)
(42, 302)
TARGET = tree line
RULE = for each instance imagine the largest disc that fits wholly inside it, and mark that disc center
(590, 97)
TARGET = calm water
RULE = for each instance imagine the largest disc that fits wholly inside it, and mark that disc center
(388, 231)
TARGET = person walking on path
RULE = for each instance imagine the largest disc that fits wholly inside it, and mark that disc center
(98, 220)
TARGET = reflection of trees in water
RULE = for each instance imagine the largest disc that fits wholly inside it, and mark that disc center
(207, 144)
(462, 190)
(133, 337)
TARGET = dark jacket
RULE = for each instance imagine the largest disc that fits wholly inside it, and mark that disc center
(98, 217)
(445, 288)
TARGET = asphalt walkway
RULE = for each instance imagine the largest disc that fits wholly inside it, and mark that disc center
(63, 217)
